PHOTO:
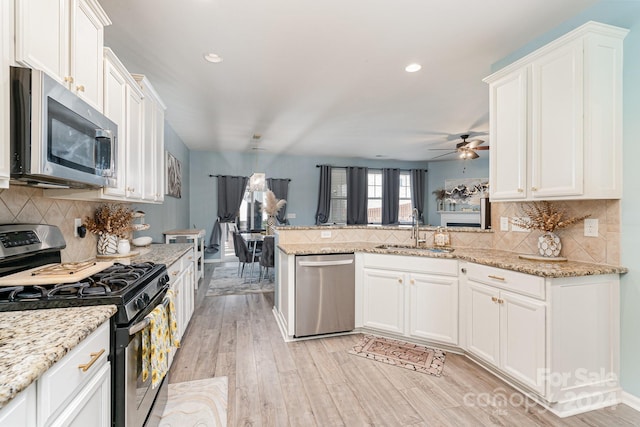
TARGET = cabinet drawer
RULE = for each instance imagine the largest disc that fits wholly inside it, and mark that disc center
(514, 281)
(61, 382)
(419, 264)
(180, 265)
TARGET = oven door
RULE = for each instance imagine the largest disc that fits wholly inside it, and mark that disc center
(135, 401)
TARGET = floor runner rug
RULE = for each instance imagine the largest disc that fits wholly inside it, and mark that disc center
(200, 403)
(225, 281)
(399, 353)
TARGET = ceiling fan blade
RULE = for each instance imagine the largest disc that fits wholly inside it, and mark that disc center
(475, 143)
(482, 148)
(442, 155)
(440, 149)
(473, 155)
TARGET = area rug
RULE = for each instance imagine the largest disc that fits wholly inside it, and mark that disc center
(200, 403)
(399, 353)
(225, 281)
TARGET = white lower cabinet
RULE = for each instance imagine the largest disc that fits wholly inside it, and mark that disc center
(411, 296)
(508, 331)
(181, 282)
(21, 411)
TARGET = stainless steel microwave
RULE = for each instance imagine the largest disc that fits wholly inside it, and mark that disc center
(57, 139)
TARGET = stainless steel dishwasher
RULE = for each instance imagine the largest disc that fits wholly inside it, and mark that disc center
(325, 294)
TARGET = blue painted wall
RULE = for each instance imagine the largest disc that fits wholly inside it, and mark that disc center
(624, 14)
(173, 213)
(303, 188)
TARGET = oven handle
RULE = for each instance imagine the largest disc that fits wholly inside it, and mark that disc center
(145, 322)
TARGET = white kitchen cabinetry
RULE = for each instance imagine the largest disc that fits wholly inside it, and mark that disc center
(77, 389)
(153, 137)
(555, 115)
(64, 38)
(123, 105)
(557, 338)
(21, 411)
(181, 279)
(6, 25)
(409, 296)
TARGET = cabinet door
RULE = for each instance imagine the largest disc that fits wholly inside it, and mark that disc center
(483, 322)
(21, 411)
(508, 122)
(92, 405)
(434, 308)
(557, 123)
(383, 293)
(522, 339)
(149, 144)
(159, 166)
(134, 153)
(5, 61)
(86, 53)
(115, 102)
(179, 303)
(42, 36)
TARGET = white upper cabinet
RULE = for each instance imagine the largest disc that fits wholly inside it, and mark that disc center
(153, 142)
(556, 119)
(5, 61)
(64, 38)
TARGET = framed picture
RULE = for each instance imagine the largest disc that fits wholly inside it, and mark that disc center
(174, 176)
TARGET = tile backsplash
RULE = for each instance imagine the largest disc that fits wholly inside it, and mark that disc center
(602, 249)
(28, 205)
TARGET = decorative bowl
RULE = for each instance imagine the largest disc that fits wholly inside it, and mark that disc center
(141, 241)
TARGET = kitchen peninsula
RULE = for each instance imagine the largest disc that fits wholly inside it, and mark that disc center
(522, 320)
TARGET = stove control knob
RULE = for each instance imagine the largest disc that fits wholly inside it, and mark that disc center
(139, 303)
(146, 298)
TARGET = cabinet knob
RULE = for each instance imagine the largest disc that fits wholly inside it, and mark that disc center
(534, 188)
(500, 301)
(520, 190)
(494, 299)
(174, 273)
(413, 282)
(399, 280)
(68, 79)
(80, 88)
(463, 270)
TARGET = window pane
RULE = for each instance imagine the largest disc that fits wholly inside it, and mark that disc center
(374, 194)
(405, 207)
(374, 211)
(338, 209)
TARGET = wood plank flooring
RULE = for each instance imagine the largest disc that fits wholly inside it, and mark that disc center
(317, 383)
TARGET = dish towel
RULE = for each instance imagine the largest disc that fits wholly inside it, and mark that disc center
(157, 339)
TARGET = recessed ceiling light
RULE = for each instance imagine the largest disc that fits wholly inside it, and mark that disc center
(412, 68)
(212, 57)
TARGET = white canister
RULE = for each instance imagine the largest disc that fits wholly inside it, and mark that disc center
(123, 246)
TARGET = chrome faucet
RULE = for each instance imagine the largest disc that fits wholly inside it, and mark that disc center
(415, 223)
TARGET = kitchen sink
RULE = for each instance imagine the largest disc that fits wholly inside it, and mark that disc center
(413, 248)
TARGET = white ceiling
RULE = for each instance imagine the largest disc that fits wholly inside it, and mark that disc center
(326, 77)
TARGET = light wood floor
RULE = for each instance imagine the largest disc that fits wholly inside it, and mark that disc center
(316, 382)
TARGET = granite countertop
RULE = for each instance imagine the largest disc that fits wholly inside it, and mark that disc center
(380, 227)
(492, 257)
(32, 341)
(158, 253)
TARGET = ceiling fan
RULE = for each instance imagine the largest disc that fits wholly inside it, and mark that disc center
(465, 149)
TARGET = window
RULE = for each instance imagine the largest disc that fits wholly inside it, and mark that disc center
(374, 195)
(338, 210)
(405, 206)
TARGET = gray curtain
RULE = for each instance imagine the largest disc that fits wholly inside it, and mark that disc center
(230, 193)
(324, 195)
(280, 188)
(356, 195)
(417, 191)
(390, 195)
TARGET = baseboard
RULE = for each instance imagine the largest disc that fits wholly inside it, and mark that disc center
(212, 261)
(631, 400)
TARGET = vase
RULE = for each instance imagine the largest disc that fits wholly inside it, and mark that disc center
(123, 246)
(549, 245)
(271, 223)
(107, 244)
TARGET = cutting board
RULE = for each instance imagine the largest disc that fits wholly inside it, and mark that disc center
(25, 277)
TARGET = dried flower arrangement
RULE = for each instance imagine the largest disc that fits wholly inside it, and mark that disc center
(440, 193)
(111, 219)
(546, 217)
(271, 204)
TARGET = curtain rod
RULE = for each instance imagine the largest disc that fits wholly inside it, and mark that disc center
(218, 176)
(344, 167)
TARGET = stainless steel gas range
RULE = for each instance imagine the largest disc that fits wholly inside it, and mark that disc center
(30, 256)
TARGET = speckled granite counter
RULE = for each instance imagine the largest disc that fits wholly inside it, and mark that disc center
(32, 341)
(492, 257)
(378, 227)
(157, 253)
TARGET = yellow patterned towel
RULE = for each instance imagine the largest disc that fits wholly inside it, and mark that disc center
(157, 340)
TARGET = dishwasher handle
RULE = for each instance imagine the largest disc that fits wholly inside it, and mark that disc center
(324, 263)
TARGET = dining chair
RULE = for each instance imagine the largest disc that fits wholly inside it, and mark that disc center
(245, 256)
(267, 256)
